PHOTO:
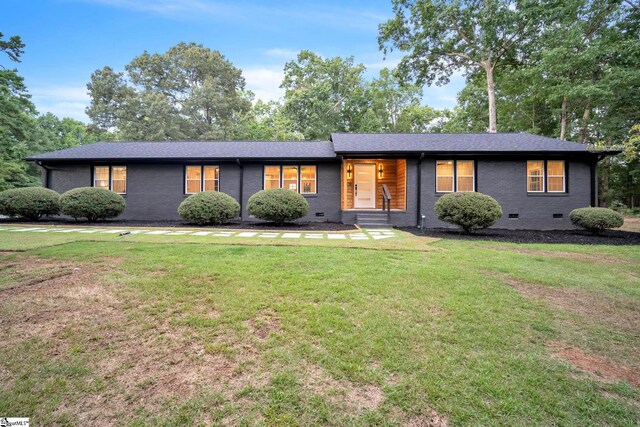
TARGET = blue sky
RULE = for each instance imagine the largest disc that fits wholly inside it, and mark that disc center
(66, 40)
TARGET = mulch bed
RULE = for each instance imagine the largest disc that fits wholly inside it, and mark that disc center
(576, 237)
(306, 226)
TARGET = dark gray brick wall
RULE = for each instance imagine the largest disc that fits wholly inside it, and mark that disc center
(505, 180)
(154, 191)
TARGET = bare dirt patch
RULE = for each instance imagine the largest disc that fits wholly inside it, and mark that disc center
(432, 419)
(618, 312)
(264, 324)
(597, 366)
(355, 396)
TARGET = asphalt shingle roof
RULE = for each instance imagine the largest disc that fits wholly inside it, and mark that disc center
(341, 143)
(194, 150)
(449, 143)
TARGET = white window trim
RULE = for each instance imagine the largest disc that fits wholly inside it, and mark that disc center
(111, 178)
(452, 176)
(472, 176)
(544, 177)
(563, 176)
(264, 175)
(299, 177)
(202, 179)
(216, 181)
(315, 179)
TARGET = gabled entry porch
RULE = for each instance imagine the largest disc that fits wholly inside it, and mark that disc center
(373, 188)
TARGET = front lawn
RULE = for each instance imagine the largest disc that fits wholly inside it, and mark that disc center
(101, 330)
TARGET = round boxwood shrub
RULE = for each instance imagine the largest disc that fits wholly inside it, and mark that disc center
(278, 205)
(29, 202)
(91, 203)
(209, 207)
(471, 211)
(596, 220)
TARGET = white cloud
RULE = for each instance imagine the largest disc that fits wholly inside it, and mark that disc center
(61, 100)
(264, 82)
(282, 53)
(388, 63)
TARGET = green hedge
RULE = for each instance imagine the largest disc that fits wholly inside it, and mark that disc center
(209, 207)
(91, 203)
(471, 211)
(278, 205)
(29, 202)
(596, 220)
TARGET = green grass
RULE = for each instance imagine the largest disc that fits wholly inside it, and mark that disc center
(304, 334)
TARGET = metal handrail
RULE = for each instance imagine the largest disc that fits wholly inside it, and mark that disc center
(386, 201)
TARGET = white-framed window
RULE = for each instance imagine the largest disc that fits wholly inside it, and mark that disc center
(535, 176)
(465, 176)
(112, 178)
(444, 176)
(201, 178)
(299, 178)
(271, 177)
(455, 175)
(308, 179)
(555, 176)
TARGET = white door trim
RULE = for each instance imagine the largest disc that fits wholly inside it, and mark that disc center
(365, 177)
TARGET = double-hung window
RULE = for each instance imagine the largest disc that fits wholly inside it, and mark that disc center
(546, 176)
(299, 178)
(455, 175)
(201, 178)
(112, 178)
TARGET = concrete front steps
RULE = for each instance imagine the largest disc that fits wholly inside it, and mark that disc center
(372, 220)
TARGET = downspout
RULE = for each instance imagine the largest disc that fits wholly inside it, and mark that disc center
(419, 214)
(241, 185)
(46, 173)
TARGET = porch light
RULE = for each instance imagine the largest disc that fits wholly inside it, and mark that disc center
(349, 171)
(380, 171)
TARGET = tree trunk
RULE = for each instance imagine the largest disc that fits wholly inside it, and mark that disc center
(585, 122)
(563, 119)
(491, 94)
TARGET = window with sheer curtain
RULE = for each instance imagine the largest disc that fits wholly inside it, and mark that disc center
(458, 175)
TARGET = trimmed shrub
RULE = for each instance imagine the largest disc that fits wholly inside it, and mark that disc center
(29, 202)
(278, 205)
(209, 207)
(596, 220)
(91, 203)
(471, 211)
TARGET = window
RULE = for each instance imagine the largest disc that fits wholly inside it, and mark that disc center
(301, 179)
(201, 178)
(119, 179)
(456, 175)
(555, 176)
(308, 179)
(271, 177)
(112, 178)
(290, 178)
(546, 176)
(465, 176)
(444, 176)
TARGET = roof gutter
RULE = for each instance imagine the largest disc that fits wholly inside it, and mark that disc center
(241, 185)
(419, 214)
(46, 173)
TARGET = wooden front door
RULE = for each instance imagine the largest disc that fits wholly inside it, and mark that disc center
(364, 186)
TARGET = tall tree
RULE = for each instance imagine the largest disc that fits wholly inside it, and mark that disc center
(390, 98)
(188, 92)
(323, 95)
(16, 119)
(443, 36)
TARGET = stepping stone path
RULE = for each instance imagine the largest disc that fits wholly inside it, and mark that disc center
(376, 234)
